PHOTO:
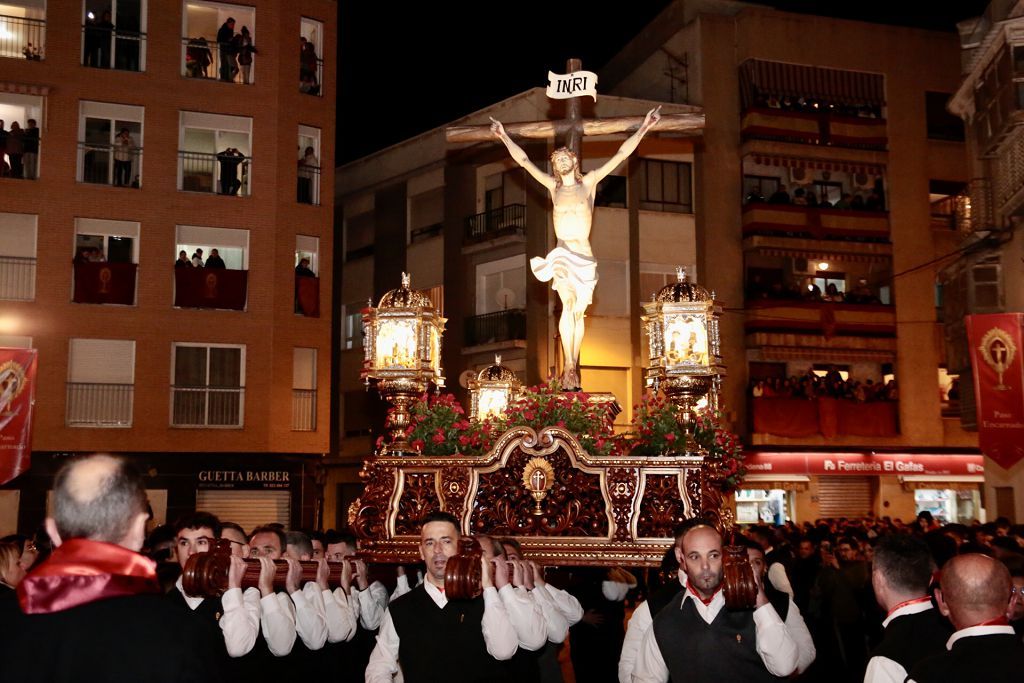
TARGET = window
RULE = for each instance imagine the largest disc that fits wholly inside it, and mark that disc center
(941, 124)
(759, 188)
(654, 276)
(210, 47)
(308, 247)
(303, 390)
(113, 34)
(15, 341)
(827, 192)
(501, 285)
(105, 261)
(20, 113)
(352, 325)
(311, 63)
(18, 256)
(611, 192)
(307, 284)
(986, 287)
(208, 385)
(426, 214)
(359, 236)
(23, 29)
(101, 383)
(110, 144)
(221, 278)
(665, 186)
(309, 166)
(214, 153)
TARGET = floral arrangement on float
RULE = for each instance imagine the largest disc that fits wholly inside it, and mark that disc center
(439, 426)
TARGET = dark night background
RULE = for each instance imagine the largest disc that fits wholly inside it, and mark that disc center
(407, 68)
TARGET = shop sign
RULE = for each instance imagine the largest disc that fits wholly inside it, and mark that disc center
(244, 479)
(861, 464)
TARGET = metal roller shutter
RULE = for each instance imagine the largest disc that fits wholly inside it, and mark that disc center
(845, 496)
(247, 508)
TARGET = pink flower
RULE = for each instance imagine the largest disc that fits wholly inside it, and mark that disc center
(670, 437)
(438, 438)
(463, 440)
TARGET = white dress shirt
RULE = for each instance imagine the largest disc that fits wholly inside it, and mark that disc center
(778, 578)
(402, 585)
(240, 620)
(526, 617)
(774, 644)
(972, 631)
(796, 627)
(342, 615)
(638, 626)
(499, 636)
(882, 669)
(557, 623)
(277, 619)
(372, 603)
(310, 616)
(566, 603)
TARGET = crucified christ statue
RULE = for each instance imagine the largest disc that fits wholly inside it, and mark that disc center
(571, 266)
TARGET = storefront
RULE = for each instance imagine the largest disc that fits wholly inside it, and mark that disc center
(804, 486)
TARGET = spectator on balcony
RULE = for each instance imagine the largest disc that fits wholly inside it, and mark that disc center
(844, 202)
(303, 269)
(215, 261)
(812, 292)
(309, 166)
(753, 197)
(229, 161)
(812, 200)
(873, 202)
(308, 62)
(861, 294)
(225, 36)
(780, 196)
(832, 294)
(197, 258)
(4, 168)
(104, 34)
(244, 49)
(198, 58)
(800, 197)
(183, 260)
(16, 149)
(857, 203)
(31, 143)
(124, 150)
(954, 395)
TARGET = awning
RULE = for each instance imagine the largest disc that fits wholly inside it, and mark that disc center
(790, 482)
(24, 88)
(962, 482)
(824, 355)
(815, 82)
(818, 164)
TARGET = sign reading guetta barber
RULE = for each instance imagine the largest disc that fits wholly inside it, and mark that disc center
(995, 342)
(17, 398)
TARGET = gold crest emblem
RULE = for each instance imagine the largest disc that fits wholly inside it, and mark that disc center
(997, 351)
(538, 477)
(12, 383)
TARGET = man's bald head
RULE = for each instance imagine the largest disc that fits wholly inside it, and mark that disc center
(100, 498)
(975, 588)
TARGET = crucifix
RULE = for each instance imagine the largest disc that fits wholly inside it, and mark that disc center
(571, 266)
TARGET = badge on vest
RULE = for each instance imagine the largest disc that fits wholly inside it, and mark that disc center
(739, 638)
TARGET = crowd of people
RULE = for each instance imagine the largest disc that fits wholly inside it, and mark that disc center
(873, 201)
(19, 150)
(775, 289)
(831, 385)
(811, 105)
(235, 54)
(837, 600)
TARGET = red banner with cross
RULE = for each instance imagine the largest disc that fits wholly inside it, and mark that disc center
(995, 342)
(17, 398)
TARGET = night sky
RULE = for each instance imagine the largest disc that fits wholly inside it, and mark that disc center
(407, 68)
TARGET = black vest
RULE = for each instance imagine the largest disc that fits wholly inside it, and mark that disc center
(426, 632)
(662, 597)
(724, 650)
(997, 658)
(911, 638)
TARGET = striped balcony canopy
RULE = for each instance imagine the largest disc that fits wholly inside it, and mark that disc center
(818, 164)
(759, 77)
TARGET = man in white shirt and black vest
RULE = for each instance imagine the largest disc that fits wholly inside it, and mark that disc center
(974, 594)
(900, 573)
(422, 629)
(695, 639)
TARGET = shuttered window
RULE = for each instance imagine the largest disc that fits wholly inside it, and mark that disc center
(845, 496)
(250, 509)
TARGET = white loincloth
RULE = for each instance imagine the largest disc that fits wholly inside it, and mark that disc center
(577, 271)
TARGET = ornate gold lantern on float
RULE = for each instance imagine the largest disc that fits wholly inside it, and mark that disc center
(403, 355)
(684, 355)
(493, 391)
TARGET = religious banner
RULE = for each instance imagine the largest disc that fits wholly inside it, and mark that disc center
(105, 283)
(995, 343)
(17, 398)
(210, 288)
(307, 296)
(575, 84)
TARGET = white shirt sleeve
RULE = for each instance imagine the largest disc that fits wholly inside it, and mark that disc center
(884, 670)
(372, 603)
(401, 587)
(797, 629)
(639, 625)
(240, 622)
(310, 620)
(650, 665)
(566, 603)
(615, 591)
(777, 649)
(383, 662)
(526, 617)
(499, 635)
(777, 577)
(340, 616)
(277, 619)
(558, 625)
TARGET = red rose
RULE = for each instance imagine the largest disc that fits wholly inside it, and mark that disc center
(438, 438)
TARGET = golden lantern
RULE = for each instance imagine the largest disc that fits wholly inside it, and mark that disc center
(402, 355)
(493, 391)
(684, 357)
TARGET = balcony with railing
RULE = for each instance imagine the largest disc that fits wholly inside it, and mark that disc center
(106, 47)
(425, 232)
(17, 278)
(91, 404)
(307, 296)
(105, 283)
(973, 207)
(824, 417)
(781, 322)
(104, 164)
(209, 60)
(24, 166)
(813, 128)
(308, 191)
(303, 410)
(210, 288)
(788, 220)
(507, 220)
(311, 77)
(222, 173)
(22, 37)
(206, 406)
(493, 328)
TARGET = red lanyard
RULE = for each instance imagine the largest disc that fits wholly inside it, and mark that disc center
(907, 603)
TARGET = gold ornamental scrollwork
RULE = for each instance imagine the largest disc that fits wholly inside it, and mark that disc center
(997, 351)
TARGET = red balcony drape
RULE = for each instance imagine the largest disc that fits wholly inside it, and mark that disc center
(210, 288)
(105, 283)
(307, 296)
(829, 417)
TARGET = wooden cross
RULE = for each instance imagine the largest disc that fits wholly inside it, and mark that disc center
(574, 127)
